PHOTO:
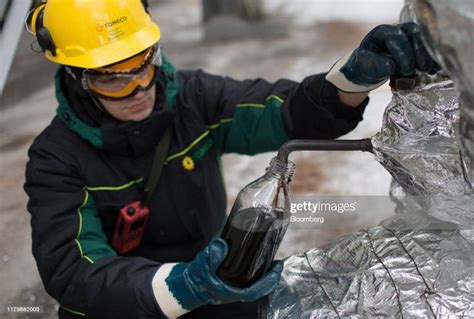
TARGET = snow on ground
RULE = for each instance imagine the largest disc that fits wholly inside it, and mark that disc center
(18, 126)
(306, 12)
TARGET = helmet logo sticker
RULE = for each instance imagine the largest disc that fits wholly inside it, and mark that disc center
(114, 28)
(114, 22)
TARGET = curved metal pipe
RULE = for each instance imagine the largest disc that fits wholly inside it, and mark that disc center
(364, 145)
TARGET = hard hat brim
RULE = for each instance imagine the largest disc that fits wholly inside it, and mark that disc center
(111, 53)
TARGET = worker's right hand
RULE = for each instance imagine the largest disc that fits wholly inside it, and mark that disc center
(182, 287)
(385, 51)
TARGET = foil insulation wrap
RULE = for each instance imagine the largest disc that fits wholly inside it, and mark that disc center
(418, 146)
(387, 271)
(417, 264)
(448, 30)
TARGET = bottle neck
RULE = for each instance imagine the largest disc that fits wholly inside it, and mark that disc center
(279, 169)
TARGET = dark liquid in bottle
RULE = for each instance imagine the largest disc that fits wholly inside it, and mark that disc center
(253, 236)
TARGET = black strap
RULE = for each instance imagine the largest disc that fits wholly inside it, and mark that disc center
(159, 160)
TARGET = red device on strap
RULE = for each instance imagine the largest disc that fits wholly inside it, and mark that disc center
(130, 227)
(132, 219)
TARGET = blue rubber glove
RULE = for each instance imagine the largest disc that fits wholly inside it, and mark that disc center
(182, 287)
(385, 51)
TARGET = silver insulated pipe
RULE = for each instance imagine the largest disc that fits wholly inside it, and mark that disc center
(448, 30)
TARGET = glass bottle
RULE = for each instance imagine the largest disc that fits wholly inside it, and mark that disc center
(256, 225)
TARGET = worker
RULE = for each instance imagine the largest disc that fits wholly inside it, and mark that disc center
(125, 185)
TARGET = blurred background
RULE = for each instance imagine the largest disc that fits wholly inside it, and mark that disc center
(243, 39)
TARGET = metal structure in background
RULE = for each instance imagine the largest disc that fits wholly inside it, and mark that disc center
(419, 263)
(246, 9)
(239, 19)
(13, 15)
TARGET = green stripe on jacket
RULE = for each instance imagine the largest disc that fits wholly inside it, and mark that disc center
(254, 128)
(91, 239)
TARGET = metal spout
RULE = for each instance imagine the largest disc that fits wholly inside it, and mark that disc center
(364, 145)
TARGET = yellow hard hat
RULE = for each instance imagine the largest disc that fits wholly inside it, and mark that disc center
(92, 33)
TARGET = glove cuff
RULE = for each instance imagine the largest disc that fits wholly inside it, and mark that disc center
(171, 291)
(339, 80)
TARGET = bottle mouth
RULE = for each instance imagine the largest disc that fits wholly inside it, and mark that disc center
(282, 169)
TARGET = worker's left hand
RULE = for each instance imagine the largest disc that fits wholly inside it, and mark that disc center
(385, 51)
(182, 287)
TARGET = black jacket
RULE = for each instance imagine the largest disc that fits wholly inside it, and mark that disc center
(83, 167)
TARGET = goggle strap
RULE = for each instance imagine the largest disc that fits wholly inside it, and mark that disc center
(150, 58)
(84, 84)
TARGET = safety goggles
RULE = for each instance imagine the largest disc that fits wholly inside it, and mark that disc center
(126, 78)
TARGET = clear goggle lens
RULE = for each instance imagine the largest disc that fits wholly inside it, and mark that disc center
(123, 79)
